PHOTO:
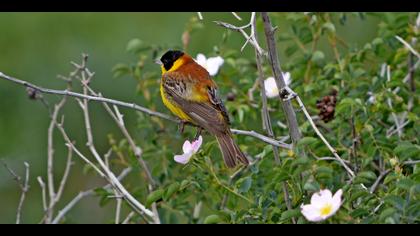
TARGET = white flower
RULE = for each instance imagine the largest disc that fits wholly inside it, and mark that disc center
(372, 98)
(189, 150)
(211, 64)
(270, 86)
(323, 205)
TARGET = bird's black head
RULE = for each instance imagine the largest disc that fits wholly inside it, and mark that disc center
(170, 57)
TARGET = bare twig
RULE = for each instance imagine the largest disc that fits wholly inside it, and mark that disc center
(236, 16)
(50, 160)
(378, 181)
(128, 218)
(311, 122)
(116, 184)
(266, 121)
(411, 162)
(118, 118)
(248, 38)
(408, 46)
(63, 182)
(24, 187)
(330, 159)
(278, 75)
(90, 98)
(84, 194)
(71, 204)
(44, 193)
(262, 138)
(127, 105)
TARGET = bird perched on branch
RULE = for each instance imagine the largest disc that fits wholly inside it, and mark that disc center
(189, 92)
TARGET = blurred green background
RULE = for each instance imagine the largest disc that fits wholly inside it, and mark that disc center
(38, 46)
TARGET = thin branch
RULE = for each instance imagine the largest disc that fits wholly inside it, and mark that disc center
(16, 177)
(90, 98)
(236, 16)
(84, 194)
(44, 193)
(249, 38)
(128, 218)
(411, 162)
(200, 16)
(71, 204)
(50, 160)
(408, 46)
(262, 138)
(127, 105)
(266, 121)
(392, 131)
(378, 181)
(330, 159)
(63, 182)
(136, 149)
(290, 114)
(311, 122)
(117, 185)
(25, 189)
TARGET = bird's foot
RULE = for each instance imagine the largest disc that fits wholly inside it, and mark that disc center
(181, 126)
(199, 130)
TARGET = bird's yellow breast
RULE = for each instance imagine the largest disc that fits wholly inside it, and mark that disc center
(172, 106)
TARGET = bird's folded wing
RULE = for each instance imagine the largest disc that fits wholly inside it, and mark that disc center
(204, 114)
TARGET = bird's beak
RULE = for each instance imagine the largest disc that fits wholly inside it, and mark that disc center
(158, 62)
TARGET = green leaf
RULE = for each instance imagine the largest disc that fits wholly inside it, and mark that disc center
(312, 186)
(359, 212)
(135, 46)
(184, 184)
(395, 201)
(212, 219)
(120, 70)
(345, 105)
(406, 184)
(291, 50)
(386, 213)
(173, 188)
(354, 196)
(407, 150)
(245, 184)
(307, 141)
(328, 26)
(365, 177)
(289, 214)
(318, 57)
(154, 196)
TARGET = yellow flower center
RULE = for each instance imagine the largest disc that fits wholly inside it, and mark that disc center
(326, 210)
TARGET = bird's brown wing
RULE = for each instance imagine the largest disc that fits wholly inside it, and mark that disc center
(209, 115)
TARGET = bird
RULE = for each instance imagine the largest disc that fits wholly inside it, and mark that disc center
(190, 93)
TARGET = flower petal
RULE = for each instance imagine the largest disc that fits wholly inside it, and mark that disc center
(184, 158)
(287, 78)
(196, 144)
(201, 59)
(311, 213)
(336, 201)
(270, 87)
(213, 65)
(320, 198)
(187, 147)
